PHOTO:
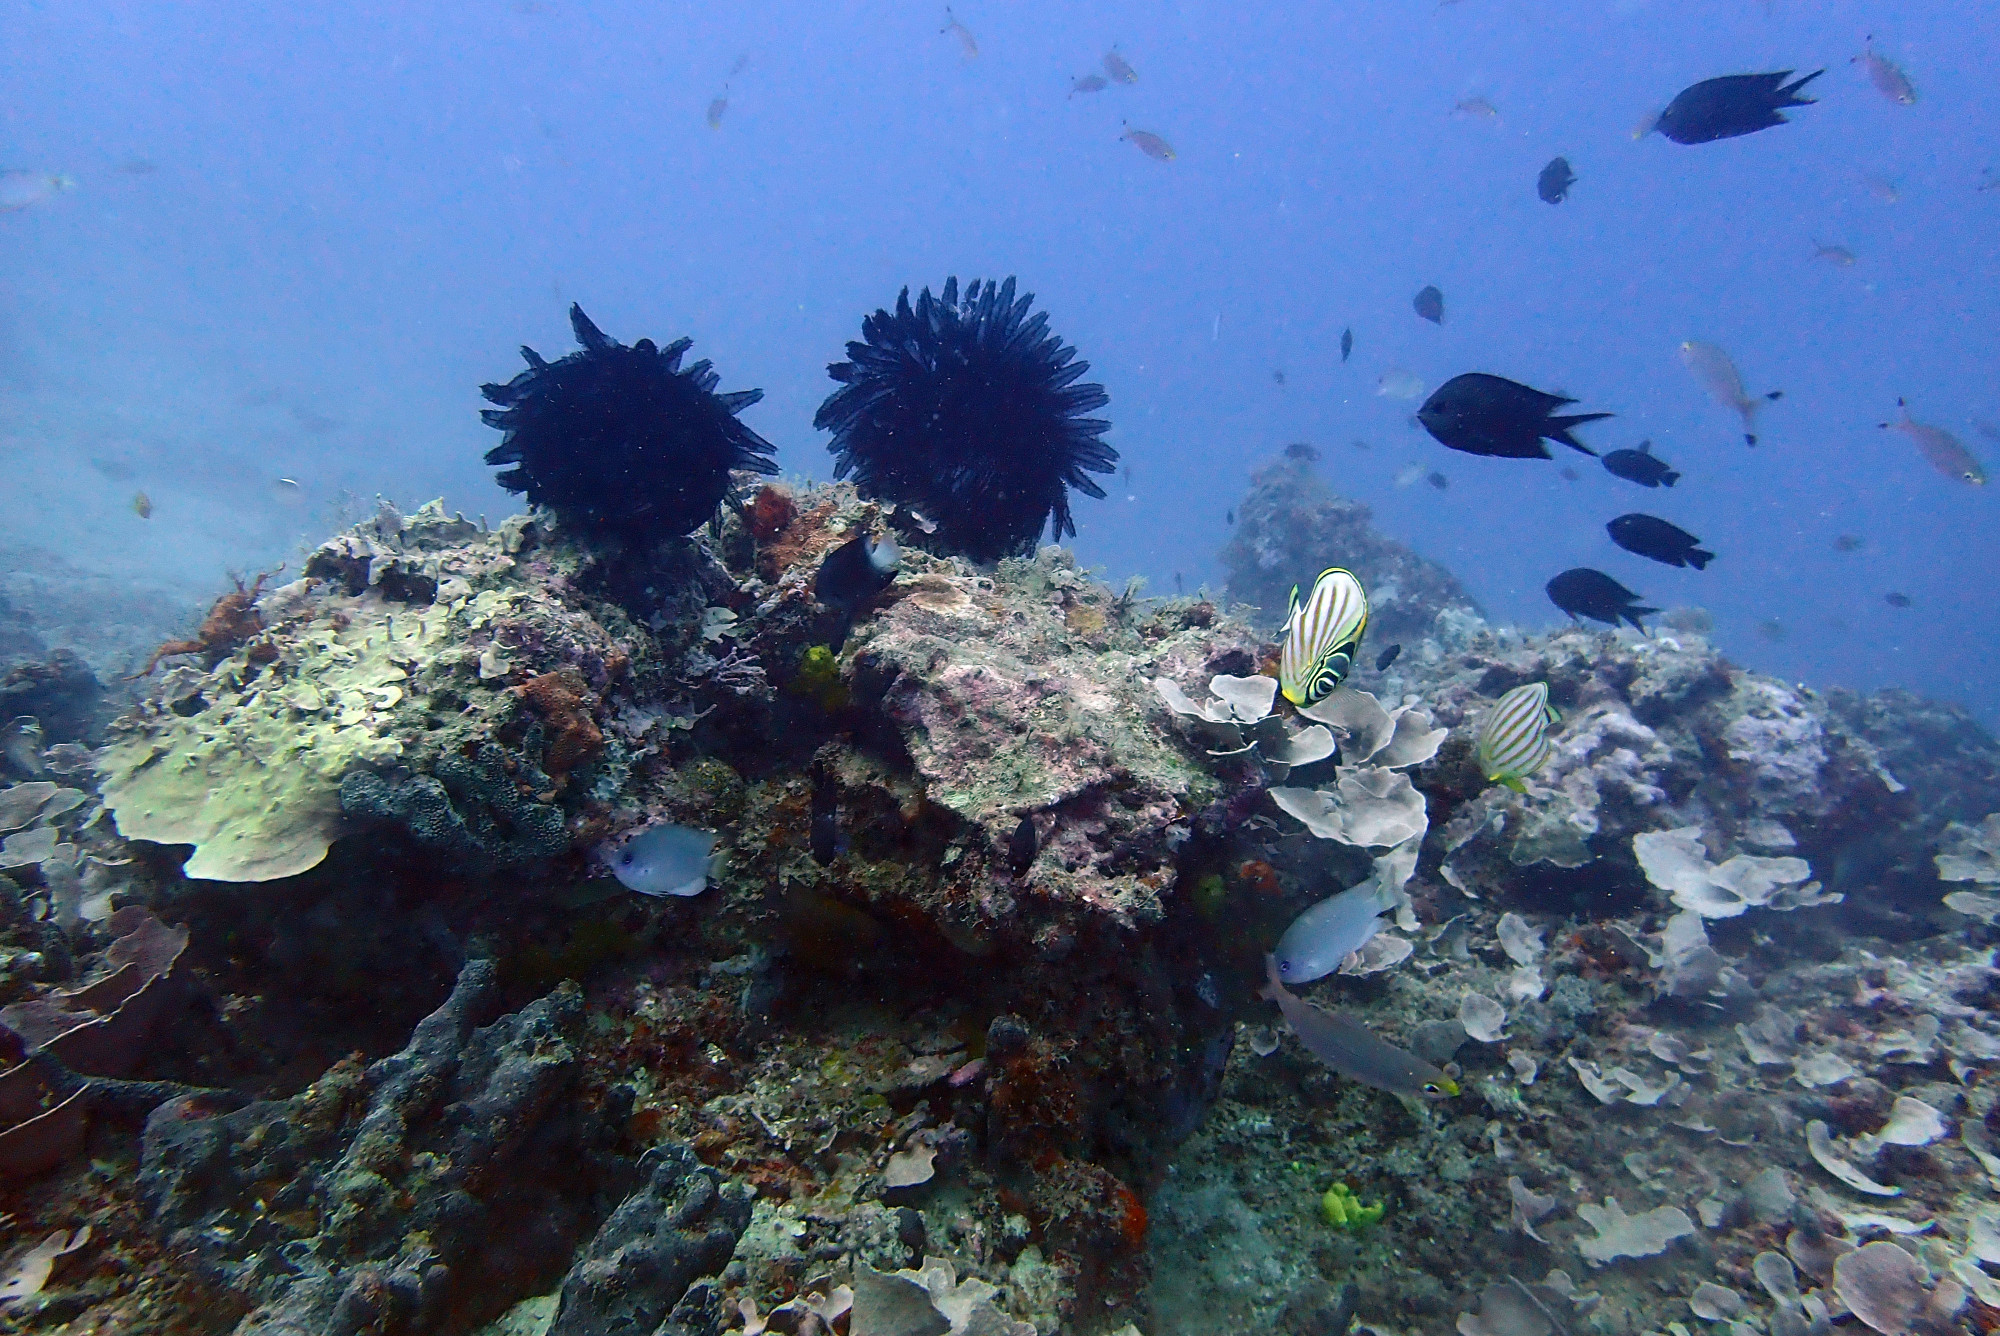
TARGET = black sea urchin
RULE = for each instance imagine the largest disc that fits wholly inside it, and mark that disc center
(968, 412)
(621, 440)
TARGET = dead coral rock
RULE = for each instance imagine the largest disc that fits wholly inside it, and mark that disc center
(564, 704)
(683, 1223)
(425, 1193)
(1004, 715)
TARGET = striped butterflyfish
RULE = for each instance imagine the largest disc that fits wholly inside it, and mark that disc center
(1322, 636)
(1514, 740)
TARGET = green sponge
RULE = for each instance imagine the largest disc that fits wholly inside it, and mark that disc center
(1344, 1210)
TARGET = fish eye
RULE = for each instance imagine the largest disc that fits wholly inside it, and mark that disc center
(1432, 1088)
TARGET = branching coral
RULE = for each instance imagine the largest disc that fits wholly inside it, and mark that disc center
(622, 441)
(970, 412)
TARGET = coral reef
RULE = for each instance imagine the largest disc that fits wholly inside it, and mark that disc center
(950, 1030)
(969, 412)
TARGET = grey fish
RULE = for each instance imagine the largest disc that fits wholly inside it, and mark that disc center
(1554, 182)
(1889, 80)
(1116, 66)
(1089, 83)
(1352, 1049)
(1346, 344)
(1387, 657)
(1718, 375)
(665, 860)
(1150, 144)
(1429, 303)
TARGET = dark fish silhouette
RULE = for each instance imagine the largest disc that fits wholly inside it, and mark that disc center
(1305, 450)
(1583, 592)
(1231, 516)
(1278, 376)
(1848, 542)
(1429, 304)
(1491, 415)
(852, 574)
(1554, 182)
(1896, 600)
(826, 840)
(1736, 104)
(1346, 344)
(1387, 657)
(1641, 466)
(1438, 480)
(1650, 536)
(1022, 846)
(1570, 474)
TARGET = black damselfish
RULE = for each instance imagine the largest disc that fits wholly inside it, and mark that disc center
(1490, 415)
(852, 574)
(1429, 304)
(1554, 182)
(1736, 104)
(826, 840)
(620, 440)
(1346, 344)
(971, 413)
(1583, 592)
(1650, 536)
(1641, 466)
(1022, 846)
(1387, 657)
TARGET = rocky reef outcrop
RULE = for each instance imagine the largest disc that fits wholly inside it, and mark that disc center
(1290, 526)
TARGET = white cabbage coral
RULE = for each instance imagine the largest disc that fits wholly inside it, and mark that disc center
(1677, 862)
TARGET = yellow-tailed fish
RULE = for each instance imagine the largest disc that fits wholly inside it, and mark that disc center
(1514, 740)
(1322, 636)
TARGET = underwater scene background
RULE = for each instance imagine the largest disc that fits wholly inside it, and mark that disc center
(885, 670)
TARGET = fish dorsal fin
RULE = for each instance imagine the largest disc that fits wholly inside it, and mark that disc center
(1645, 447)
(1292, 605)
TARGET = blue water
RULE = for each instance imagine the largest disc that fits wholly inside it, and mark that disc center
(356, 213)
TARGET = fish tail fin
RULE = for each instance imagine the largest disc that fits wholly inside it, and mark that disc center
(1557, 429)
(1273, 985)
(1669, 478)
(1513, 782)
(1699, 558)
(1634, 614)
(1791, 90)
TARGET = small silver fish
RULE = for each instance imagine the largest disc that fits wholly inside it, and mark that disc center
(1115, 66)
(1940, 447)
(1889, 80)
(1150, 144)
(717, 108)
(1328, 933)
(1396, 383)
(1089, 83)
(968, 45)
(1834, 255)
(21, 190)
(1352, 1049)
(1717, 374)
(1410, 475)
(1475, 106)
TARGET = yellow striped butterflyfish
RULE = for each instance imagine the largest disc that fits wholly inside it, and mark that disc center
(1514, 740)
(1322, 636)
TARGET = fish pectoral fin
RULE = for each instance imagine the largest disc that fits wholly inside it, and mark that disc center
(1513, 782)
